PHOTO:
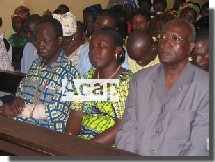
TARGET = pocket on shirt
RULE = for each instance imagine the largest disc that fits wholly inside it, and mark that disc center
(179, 124)
(49, 94)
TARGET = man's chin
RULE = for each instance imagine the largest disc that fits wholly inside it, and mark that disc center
(44, 56)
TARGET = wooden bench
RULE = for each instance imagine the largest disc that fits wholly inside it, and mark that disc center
(23, 139)
(10, 80)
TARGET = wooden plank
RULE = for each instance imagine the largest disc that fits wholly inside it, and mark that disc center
(10, 80)
(13, 149)
(47, 142)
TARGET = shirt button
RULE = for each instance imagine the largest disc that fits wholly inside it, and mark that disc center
(158, 130)
(162, 109)
(153, 151)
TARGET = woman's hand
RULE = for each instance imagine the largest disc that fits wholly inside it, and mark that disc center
(73, 126)
(108, 136)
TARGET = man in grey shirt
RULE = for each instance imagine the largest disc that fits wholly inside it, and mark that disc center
(167, 109)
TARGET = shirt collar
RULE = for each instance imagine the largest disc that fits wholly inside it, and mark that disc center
(184, 78)
(62, 58)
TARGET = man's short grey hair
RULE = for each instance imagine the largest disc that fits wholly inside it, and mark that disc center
(193, 30)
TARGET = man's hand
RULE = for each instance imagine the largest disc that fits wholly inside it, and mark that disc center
(14, 108)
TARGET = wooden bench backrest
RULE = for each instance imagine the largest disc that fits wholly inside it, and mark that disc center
(10, 80)
(23, 139)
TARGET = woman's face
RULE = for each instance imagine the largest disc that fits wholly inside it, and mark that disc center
(159, 7)
(140, 22)
(17, 24)
(189, 14)
(102, 50)
(89, 22)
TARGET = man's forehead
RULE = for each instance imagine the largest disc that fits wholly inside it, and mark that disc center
(45, 26)
(178, 26)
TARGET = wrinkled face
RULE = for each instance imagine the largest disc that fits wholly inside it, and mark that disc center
(104, 21)
(47, 43)
(89, 22)
(174, 44)
(102, 50)
(200, 54)
(140, 22)
(17, 24)
(189, 15)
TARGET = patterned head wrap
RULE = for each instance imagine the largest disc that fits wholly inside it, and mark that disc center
(189, 5)
(22, 12)
(172, 12)
(68, 22)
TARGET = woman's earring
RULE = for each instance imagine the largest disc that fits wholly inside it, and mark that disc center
(116, 56)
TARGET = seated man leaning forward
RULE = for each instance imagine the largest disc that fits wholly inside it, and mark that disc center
(39, 99)
(167, 109)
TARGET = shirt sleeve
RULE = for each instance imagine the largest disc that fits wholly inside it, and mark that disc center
(127, 134)
(84, 64)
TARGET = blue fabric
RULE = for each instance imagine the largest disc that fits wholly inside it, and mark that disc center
(29, 55)
(47, 82)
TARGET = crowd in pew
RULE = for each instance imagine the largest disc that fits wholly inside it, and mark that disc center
(160, 57)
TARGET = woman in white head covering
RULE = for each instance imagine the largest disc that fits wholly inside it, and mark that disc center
(74, 35)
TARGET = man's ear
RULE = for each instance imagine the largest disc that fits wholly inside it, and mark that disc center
(191, 47)
(60, 40)
(118, 50)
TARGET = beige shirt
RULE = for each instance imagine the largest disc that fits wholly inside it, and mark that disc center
(134, 67)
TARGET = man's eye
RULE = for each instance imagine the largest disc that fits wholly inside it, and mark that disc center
(162, 36)
(100, 45)
(176, 38)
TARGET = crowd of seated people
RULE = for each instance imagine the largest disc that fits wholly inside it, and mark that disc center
(159, 55)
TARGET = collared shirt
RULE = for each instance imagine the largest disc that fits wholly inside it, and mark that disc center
(134, 67)
(156, 123)
(29, 55)
(47, 82)
(84, 64)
